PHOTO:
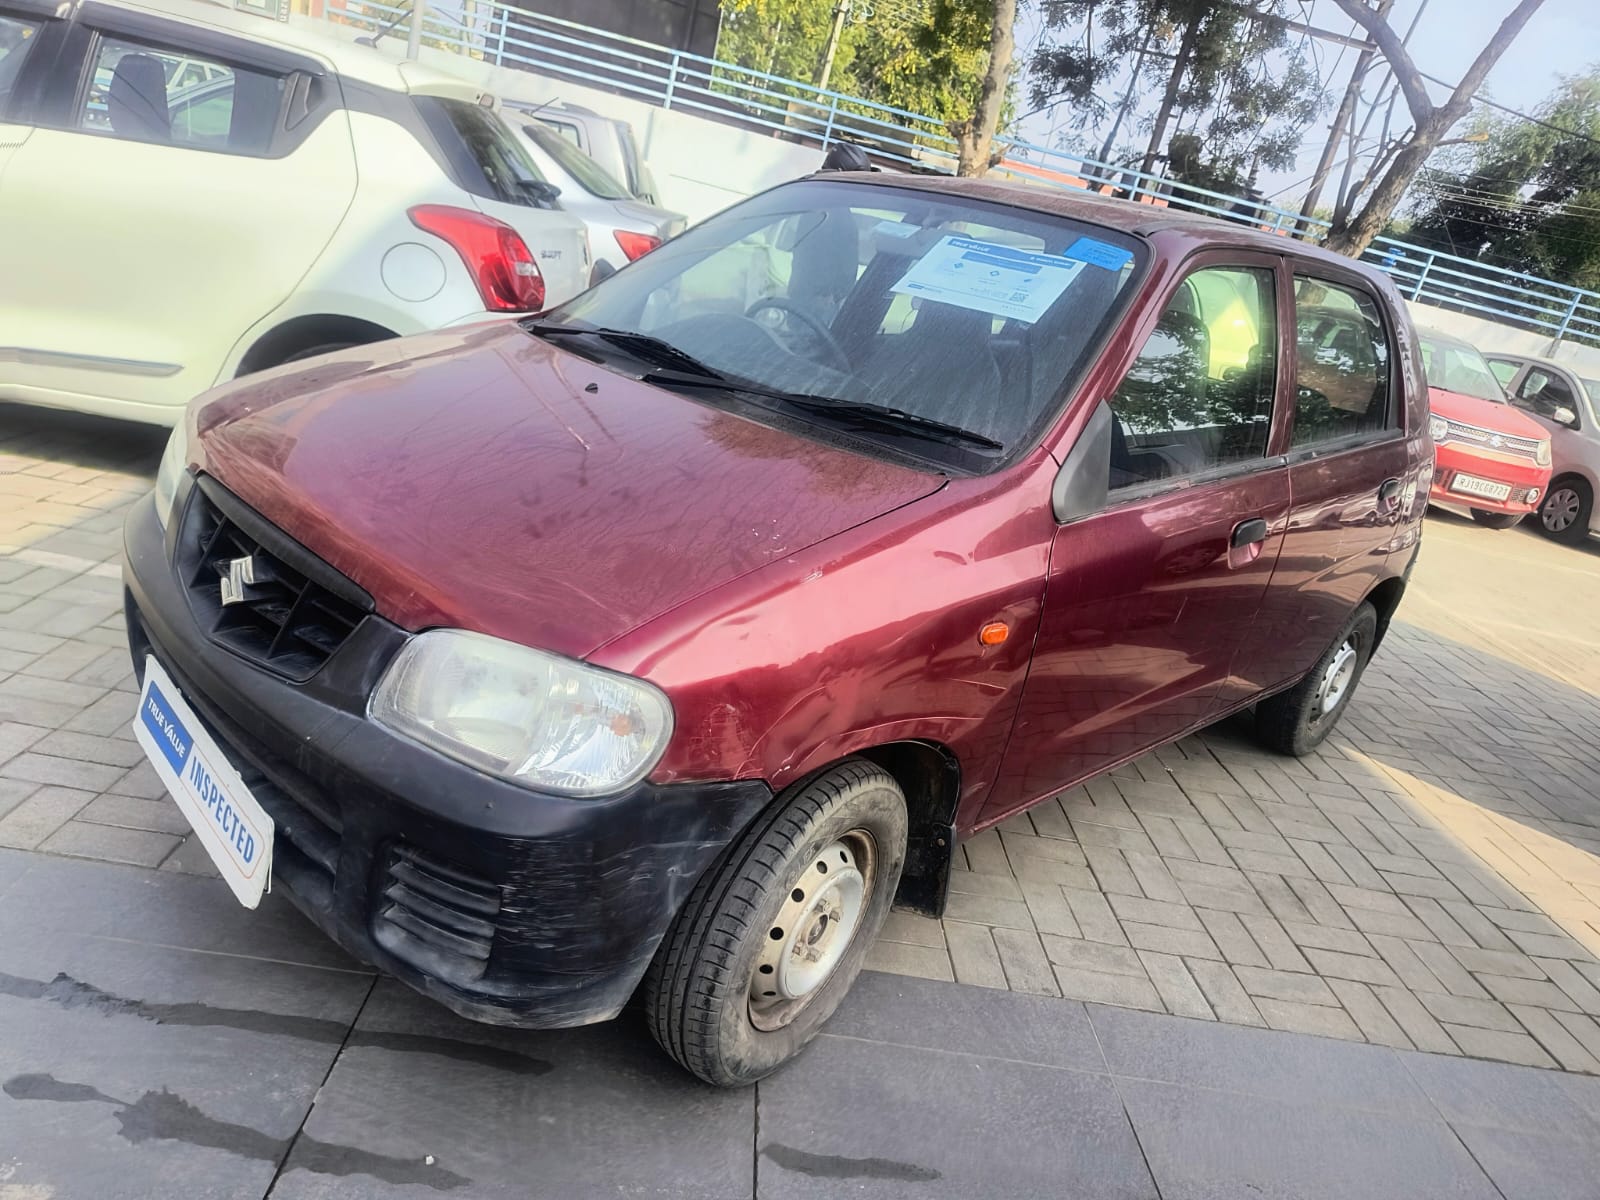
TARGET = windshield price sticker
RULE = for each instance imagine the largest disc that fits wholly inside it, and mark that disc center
(990, 278)
(1099, 254)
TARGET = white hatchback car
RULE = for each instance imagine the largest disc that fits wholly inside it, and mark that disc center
(190, 193)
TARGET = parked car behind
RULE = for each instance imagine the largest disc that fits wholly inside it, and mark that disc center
(1565, 404)
(621, 228)
(611, 142)
(188, 194)
(1493, 461)
(681, 642)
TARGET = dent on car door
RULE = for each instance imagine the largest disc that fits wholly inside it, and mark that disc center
(1149, 596)
(1348, 462)
(161, 218)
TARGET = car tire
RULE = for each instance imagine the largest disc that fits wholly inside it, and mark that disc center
(1564, 516)
(1494, 520)
(1297, 721)
(316, 351)
(753, 964)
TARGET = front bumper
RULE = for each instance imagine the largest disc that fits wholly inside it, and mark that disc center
(1527, 480)
(506, 905)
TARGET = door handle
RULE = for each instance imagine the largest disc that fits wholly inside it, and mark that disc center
(1389, 492)
(1247, 533)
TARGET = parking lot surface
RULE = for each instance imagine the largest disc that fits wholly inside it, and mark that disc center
(1428, 882)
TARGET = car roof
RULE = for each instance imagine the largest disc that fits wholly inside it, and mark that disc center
(364, 63)
(1445, 339)
(1140, 219)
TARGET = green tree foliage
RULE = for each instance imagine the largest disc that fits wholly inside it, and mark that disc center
(1528, 197)
(783, 37)
(1231, 80)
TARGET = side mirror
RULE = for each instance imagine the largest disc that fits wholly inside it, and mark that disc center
(1084, 480)
(1564, 416)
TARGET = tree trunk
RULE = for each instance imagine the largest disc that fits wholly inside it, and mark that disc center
(1169, 98)
(975, 135)
(1431, 124)
(1347, 108)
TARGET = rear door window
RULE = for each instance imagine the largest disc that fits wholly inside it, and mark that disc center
(1544, 392)
(1342, 364)
(167, 94)
(1199, 396)
(484, 154)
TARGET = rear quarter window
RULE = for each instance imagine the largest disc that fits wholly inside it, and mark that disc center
(483, 153)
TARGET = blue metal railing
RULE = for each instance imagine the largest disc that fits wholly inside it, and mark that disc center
(496, 33)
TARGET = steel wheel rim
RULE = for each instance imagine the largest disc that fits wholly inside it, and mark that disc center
(821, 916)
(1334, 685)
(1560, 510)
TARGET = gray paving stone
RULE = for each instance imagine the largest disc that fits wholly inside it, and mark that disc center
(1285, 985)
(1281, 952)
(1526, 1166)
(912, 928)
(106, 843)
(902, 958)
(1444, 967)
(1425, 1032)
(1177, 987)
(1499, 962)
(1228, 999)
(1316, 1019)
(1188, 942)
(1558, 1041)
(1094, 916)
(60, 772)
(1359, 967)
(973, 955)
(1499, 1044)
(993, 887)
(1093, 956)
(43, 811)
(1103, 987)
(988, 910)
(1565, 976)
(1231, 937)
(1155, 912)
(1375, 1022)
(1342, 940)
(1461, 1011)
(1023, 960)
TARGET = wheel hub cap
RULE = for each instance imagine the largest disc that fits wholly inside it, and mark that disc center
(1560, 509)
(1336, 679)
(812, 931)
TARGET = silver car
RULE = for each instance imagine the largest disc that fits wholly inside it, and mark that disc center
(1567, 404)
(621, 228)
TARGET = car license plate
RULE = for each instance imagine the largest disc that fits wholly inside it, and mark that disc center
(1471, 485)
(230, 824)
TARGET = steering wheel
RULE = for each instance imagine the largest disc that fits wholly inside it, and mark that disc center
(841, 361)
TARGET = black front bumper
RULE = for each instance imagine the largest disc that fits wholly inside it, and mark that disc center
(506, 905)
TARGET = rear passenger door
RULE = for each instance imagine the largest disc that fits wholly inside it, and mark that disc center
(1347, 460)
(1149, 599)
(179, 184)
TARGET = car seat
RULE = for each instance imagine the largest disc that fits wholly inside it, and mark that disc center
(137, 99)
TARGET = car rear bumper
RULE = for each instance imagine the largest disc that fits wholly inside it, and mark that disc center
(1527, 481)
(506, 905)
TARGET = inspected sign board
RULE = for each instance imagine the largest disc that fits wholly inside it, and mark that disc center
(990, 278)
(231, 825)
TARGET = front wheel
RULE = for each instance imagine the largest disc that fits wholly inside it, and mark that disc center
(1494, 520)
(1564, 515)
(1296, 722)
(770, 940)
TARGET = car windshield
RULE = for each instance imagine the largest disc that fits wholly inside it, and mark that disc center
(947, 311)
(1457, 367)
(591, 177)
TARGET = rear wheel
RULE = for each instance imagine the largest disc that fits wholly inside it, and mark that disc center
(1296, 722)
(1494, 520)
(1564, 515)
(316, 351)
(770, 941)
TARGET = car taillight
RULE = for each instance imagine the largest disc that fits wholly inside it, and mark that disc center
(636, 245)
(502, 266)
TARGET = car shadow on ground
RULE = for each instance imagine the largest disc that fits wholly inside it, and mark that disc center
(82, 441)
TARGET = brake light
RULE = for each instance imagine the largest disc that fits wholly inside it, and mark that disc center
(636, 245)
(502, 266)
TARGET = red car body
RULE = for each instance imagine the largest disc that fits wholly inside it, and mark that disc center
(798, 601)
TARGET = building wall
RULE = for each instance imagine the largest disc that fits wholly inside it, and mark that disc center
(1489, 336)
(679, 24)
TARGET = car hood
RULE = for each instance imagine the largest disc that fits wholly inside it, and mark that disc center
(483, 479)
(1485, 414)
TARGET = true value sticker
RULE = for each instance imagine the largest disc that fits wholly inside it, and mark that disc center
(990, 278)
(232, 826)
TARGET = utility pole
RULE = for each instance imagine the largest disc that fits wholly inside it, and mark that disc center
(841, 10)
(1341, 118)
(419, 9)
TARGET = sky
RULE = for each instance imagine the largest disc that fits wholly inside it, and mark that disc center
(1562, 38)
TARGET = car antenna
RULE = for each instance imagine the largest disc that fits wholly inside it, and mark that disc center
(373, 40)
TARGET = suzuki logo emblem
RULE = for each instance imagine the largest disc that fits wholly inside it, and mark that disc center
(240, 574)
(1497, 441)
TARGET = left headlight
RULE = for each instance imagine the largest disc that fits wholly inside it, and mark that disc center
(1542, 454)
(174, 462)
(522, 714)
(1438, 428)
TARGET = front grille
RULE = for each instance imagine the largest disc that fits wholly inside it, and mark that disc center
(1488, 439)
(440, 907)
(259, 593)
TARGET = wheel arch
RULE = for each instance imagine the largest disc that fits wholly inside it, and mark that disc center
(1385, 599)
(303, 332)
(930, 776)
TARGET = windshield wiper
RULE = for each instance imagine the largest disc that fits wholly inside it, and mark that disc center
(846, 410)
(642, 346)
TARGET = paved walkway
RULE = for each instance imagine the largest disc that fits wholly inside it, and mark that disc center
(1429, 881)
(156, 1040)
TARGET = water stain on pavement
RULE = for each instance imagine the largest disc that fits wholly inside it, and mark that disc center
(835, 1166)
(165, 1116)
(71, 993)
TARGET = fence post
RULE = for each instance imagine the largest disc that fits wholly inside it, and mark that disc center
(672, 81)
(500, 37)
(1566, 319)
(1422, 277)
(833, 112)
(419, 9)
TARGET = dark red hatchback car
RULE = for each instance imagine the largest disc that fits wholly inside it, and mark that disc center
(660, 643)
